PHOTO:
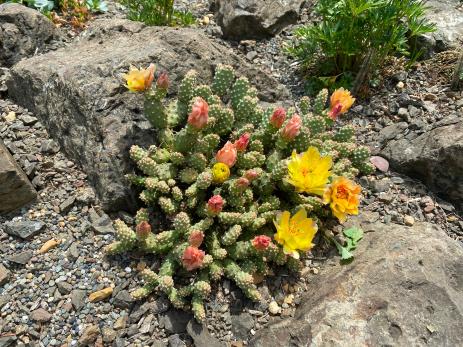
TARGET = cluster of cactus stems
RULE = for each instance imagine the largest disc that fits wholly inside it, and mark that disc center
(220, 218)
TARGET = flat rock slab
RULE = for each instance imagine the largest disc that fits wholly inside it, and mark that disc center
(78, 93)
(15, 188)
(404, 288)
(448, 17)
(435, 158)
(4, 275)
(23, 228)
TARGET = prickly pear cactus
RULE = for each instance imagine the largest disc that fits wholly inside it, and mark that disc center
(244, 188)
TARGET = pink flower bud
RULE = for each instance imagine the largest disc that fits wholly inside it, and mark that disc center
(335, 111)
(242, 143)
(215, 204)
(227, 155)
(192, 258)
(292, 128)
(163, 81)
(261, 242)
(242, 182)
(251, 175)
(196, 238)
(143, 229)
(278, 117)
(199, 114)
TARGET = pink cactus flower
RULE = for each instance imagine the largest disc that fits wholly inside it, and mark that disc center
(215, 204)
(242, 143)
(227, 155)
(143, 229)
(278, 117)
(242, 182)
(163, 81)
(292, 128)
(199, 114)
(192, 258)
(251, 175)
(196, 238)
(261, 242)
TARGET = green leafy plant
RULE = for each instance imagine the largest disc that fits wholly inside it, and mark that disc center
(234, 189)
(157, 12)
(350, 29)
(353, 237)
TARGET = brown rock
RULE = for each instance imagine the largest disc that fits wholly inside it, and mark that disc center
(89, 336)
(100, 295)
(40, 315)
(4, 275)
(15, 188)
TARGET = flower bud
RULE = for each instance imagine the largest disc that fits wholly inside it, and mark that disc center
(199, 114)
(227, 155)
(163, 81)
(215, 204)
(192, 258)
(143, 229)
(292, 128)
(278, 117)
(261, 242)
(196, 238)
(251, 174)
(242, 143)
(242, 182)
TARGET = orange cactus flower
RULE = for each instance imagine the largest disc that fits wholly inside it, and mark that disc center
(278, 117)
(199, 114)
(340, 102)
(227, 155)
(192, 258)
(140, 80)
(292, 128)
(343, 195)
(215, 204)
(242, 143)
(261, 242)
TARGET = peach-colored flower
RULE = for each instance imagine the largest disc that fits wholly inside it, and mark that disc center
(278, 117)
(163, 81)
(143, 229)
(292, 128)
(261, 242)
(242, 182)
(199, 114)
(196, 238)
(340, 102)
(343, 195)
(192, 258)
(215, 204)
(242, 143)
(139, 80)
(227, 155)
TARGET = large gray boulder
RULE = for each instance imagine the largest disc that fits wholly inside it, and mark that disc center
(256, 19)
(404, 288)
(15, 188)
(435, 157)
(23, 32)
(79, 95)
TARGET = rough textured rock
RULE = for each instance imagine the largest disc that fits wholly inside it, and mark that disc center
(435, 157)
(256, 19)
(23, 32)
(448, 17)
(200, 335)
(78, 93)
(402, 289)
(4, 275)
(15, 188)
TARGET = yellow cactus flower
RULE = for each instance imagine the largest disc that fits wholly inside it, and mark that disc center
(139, 80)
(343, 197)
(220, 172)
(340, 102)
(295, 233)
(309, 171)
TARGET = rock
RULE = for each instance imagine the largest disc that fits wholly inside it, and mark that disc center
(274, 308)
(448, 17)
(29, 120)
(67, 204)
(380, 163)
(175, 321)
(435, 157)
(40, 315)
(123, 299)
(109, 335)
(120, 323)
(78, 299)
(15, 188)
(160, 305)
(241, 325)
(409, 220)
(176, 341)
(89, 336)
(4, 275)
(256, 19)
(4, 299)
(100, 294)
(48, 245)
(21, 258)
(23, 228)
(23, 32)
(7, 340)
(201, 336)
(77, 92)
(101, 223)
(64, 287)
(402, 281)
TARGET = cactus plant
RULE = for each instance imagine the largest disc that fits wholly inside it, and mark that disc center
(223, 171)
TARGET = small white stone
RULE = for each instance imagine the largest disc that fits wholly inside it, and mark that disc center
(400, 85)
(409, 220)
(274, 308)
(128, 269)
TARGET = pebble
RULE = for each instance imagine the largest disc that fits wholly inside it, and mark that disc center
(274, 308)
